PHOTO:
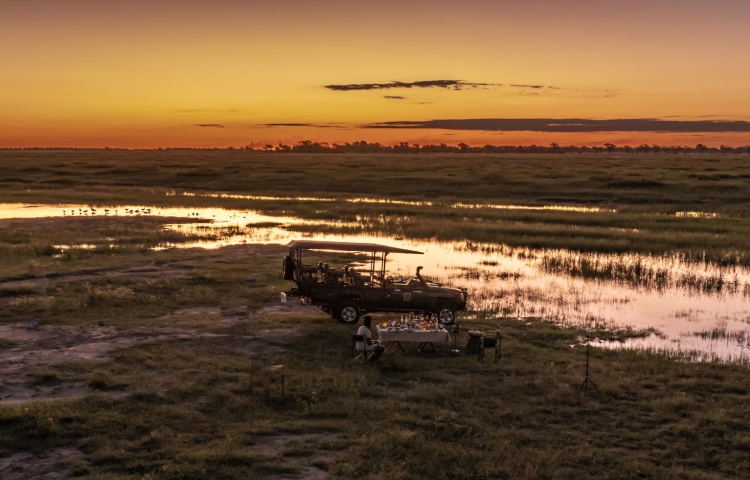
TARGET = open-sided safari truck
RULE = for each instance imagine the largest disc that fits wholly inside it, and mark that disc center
(355, 288)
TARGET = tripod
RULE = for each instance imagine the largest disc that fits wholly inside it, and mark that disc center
(587, 382)
(455, 329)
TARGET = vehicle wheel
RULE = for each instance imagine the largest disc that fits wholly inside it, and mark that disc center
(446, 313)
(348, 312)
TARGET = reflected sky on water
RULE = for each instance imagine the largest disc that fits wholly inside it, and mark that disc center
(699, 311)
(388, 201)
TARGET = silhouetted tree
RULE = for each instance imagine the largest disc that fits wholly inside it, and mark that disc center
(362, 146)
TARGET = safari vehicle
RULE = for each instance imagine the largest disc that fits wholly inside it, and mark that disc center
(359, 288)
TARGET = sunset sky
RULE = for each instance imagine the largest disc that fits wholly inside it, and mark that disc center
(169, 73)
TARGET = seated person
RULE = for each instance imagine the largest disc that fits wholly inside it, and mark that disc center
(401, 280)
(369, 344)
(356, 279)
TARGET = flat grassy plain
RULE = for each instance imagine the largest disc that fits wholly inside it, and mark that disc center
(641, 183)
(179, 392)
(696, 205)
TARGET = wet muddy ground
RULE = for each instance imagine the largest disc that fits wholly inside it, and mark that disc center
(699, 312)
(27, 349)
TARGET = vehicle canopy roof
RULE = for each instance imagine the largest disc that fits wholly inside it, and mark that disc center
(347, 247)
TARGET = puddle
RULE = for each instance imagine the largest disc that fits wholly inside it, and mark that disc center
(700, 311)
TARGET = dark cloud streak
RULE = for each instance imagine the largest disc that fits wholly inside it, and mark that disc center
(315, 125)
(525, 88)
(207, 110)
(290, 125)
(449, 84)
(568, 125)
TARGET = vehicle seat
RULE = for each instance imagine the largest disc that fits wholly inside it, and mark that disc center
(309, 273)
(357, 279)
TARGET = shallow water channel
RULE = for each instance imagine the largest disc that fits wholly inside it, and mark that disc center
(695, 311)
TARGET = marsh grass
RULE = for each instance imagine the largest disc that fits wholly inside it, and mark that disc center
(657, 183)
(722, 333)
(198, 407)
(88, 242)
(126, 285)
(645, 271)
(645, 214)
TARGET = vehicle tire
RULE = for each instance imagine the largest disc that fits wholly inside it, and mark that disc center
(348, 312)
(445, 313)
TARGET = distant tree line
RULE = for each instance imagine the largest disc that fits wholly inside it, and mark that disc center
(308, 146)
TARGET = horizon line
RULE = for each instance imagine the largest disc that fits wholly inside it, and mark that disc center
(398, 147)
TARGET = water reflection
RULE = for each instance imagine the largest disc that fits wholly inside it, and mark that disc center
(697, 214)
(416, 203)
(691, 310)
(250, 197)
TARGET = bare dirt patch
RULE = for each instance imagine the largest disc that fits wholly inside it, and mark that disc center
(284, 309)
(48, 466)
(27, 350)
(302, 451)
(36, 281)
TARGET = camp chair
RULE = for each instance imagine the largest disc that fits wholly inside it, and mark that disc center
(364, 354)
(474, 343)
(490, 342)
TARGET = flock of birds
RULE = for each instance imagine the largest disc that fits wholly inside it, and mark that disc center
(128, 211)
(107, 211)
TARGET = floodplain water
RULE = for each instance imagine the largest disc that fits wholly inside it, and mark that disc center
(692, 310)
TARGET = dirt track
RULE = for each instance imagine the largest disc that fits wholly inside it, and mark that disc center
(33, 348)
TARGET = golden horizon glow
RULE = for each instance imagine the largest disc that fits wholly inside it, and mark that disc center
(186, 74)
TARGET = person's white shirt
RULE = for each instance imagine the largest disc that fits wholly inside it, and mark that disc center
(365, 332)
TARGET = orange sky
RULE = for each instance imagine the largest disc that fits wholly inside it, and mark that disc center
(145, 74)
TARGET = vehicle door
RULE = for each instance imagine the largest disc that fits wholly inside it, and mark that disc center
(421, 299)
(406, 296)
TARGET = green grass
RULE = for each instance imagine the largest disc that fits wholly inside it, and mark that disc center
(722, 240)
(128, 287)
(642, 183)
(196, 406)
(646, 192)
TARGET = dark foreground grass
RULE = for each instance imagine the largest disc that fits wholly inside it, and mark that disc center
(196, 406)
(199, 409)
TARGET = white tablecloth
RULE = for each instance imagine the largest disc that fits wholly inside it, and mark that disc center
(386, 335)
